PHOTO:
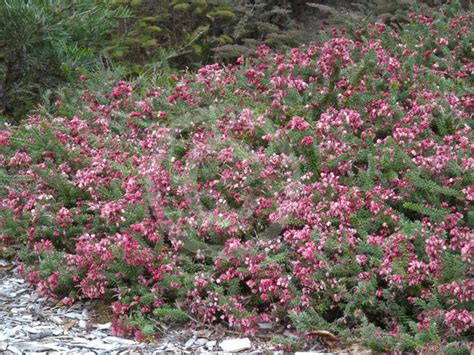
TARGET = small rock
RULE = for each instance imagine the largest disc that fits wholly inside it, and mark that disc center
(56, 320)
(117, 340)
(74, 315)
(3, 346)
(289, 334)
(161, 347)
(211, 344)
(265, 325)
(85, 314)
(94, 344)
(98, 334)
(14, 350)
(103, 326)
(200, 342)
(190, 342)
(37, 329)
(37, 336)
(235, 345)
(170, 347)
(36, 347)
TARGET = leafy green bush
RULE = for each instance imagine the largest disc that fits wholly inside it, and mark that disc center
(43, 41)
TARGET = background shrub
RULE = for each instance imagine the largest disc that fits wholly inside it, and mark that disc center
(43, 41)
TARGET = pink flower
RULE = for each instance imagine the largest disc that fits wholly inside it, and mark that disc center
(64, 217)
(443, 41)
(307, 141)
(298, 123)
(459, 321)
(361, 259)
(469, 192)
(4, 136)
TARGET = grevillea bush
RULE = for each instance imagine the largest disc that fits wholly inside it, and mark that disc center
(325, 189)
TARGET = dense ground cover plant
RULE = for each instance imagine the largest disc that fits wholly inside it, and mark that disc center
(325, 189)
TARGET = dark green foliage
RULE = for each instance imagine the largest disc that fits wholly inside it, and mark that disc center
(171, 315)
(182, 32)
(43, 41)
(271, 22)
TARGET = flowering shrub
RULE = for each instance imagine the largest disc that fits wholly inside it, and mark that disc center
(325, 189)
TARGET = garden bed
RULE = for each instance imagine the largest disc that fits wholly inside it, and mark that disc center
(328, 189)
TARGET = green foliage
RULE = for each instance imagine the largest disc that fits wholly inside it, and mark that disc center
(433, 213)
(374, 338)
(456, 348)
(43, 41)
(185, 30)
(269, 22)
(310, 320)
(171, 315)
